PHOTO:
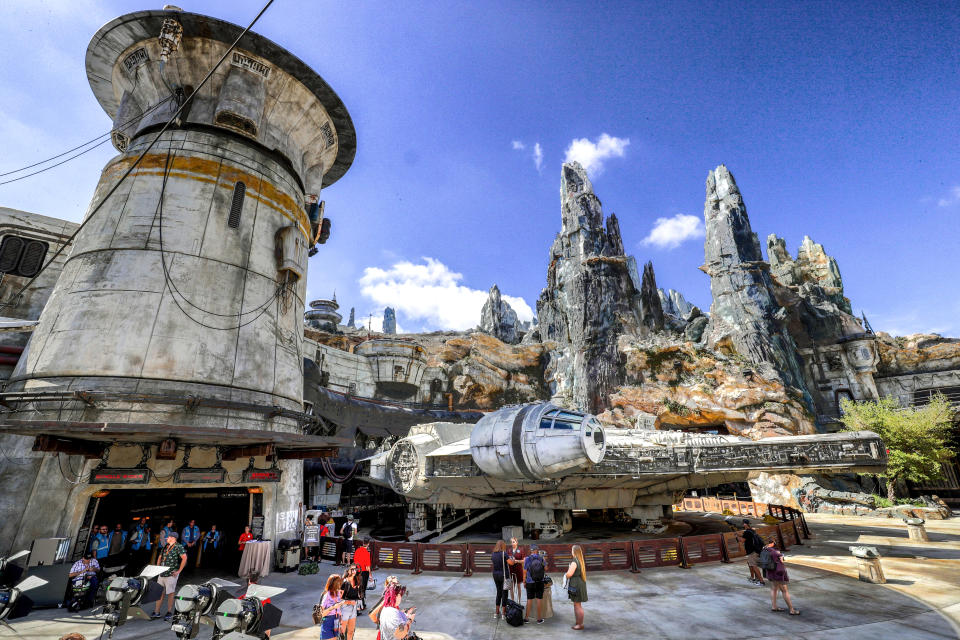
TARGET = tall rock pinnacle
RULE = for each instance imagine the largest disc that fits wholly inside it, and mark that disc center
(745, 316)
(590, 299)
(650, 300)
(498, 318)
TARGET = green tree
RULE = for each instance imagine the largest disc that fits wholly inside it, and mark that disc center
(917, 438)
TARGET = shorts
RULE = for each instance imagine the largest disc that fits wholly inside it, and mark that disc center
(348, 612)
(169, 583)
(753, 559)
(348, 545)
(534, 590)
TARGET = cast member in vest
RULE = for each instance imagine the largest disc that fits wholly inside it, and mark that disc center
(211, 546)
(118, 541)
(170, 527)
(190, 539)
(140, 543)
(100, 543)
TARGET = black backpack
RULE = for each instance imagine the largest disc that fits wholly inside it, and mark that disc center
(766, 561)
(513, 614)
(536, 568)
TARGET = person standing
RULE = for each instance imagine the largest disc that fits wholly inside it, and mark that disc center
(363, 560)
(191, 539)
(211, 546)
(311, 539)
(515, 560)
(351, 598)
(174, 557)
(140, 543)
(753, 545)
(778, 579)
(170, 527)
(501, 571)
(577, 585)
(534, 573)
(100, 543)
(330, 607)
(347, 532)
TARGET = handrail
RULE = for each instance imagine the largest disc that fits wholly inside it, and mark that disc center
(620, 555)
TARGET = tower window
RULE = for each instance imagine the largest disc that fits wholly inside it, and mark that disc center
(236, 207)
(21, 257)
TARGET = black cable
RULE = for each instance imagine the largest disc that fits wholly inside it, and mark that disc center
(88, 142)
(263, 308)
(140, 158)
(171, 285)
(23, 461)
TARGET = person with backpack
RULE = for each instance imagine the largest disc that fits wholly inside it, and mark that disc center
(771, 561)
(347, 532)
(534, 572)
(501, 571)
(753, 545)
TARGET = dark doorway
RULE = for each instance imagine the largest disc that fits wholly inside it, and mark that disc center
(228, 508)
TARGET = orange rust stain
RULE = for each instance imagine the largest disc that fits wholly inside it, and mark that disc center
(221, 174)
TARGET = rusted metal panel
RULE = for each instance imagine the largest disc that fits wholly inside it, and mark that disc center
(656, 553)
(700, 549)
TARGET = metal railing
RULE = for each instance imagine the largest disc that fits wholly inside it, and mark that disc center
(621, 555)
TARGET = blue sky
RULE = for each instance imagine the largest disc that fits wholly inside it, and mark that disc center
(838, 120)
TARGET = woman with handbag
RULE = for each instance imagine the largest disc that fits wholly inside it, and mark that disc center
(515, 560)
(501, 571)
(576, 576)
(330, 607)
(351, 596)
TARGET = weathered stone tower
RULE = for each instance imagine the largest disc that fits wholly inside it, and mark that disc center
(189, 281)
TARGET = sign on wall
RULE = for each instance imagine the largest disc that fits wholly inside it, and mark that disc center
(107, 475)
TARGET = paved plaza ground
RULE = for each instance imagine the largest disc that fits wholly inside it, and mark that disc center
(921, 599)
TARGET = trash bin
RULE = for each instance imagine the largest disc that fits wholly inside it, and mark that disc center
(288, 554)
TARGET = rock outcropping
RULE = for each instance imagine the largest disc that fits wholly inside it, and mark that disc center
(745, 317)
(591, 298)
(352, 322)
(499, 319)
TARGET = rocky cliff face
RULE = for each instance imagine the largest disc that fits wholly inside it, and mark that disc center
(591, 298)
(745, 317)
(917, 353)
(499, 319)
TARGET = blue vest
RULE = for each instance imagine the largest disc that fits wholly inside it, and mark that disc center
(166, 531)
(141, 538)
(191, 534)
(123, 537)
(100, 545)
(213, 537)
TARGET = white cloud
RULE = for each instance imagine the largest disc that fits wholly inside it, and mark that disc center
(669, 233)
(592, 155)
(518, 146)
(952, 199)
(538, 156)
(431, 293)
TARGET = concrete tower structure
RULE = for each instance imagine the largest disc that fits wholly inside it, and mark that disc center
(323, 315)
(180, 301)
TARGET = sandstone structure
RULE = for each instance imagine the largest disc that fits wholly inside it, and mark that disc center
(499, 319)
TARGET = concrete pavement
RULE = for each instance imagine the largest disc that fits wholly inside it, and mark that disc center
(921, 601)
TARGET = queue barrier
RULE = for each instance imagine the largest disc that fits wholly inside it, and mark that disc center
(699, 549)
(330, 548)
(633, 555)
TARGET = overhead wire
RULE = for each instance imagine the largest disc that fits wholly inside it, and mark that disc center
(139, 159)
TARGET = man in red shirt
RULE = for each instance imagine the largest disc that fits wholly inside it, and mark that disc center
(361, 558)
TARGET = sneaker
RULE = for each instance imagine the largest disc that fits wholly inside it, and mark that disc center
(167, 617)
(540, 621)
(155, 615)
(526, 621)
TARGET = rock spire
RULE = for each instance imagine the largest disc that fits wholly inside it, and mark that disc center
(498, 318)
(745, 316)
(389, 321)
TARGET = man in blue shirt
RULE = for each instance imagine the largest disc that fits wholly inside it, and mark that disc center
(534, 571)
(140, 543)
(189, 538)
(100, 543)
(211, 546)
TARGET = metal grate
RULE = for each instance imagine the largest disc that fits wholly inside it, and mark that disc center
(236, 207)
(32, 259)
(10, 250)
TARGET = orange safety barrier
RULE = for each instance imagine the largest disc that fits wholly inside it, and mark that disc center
(771, 533)
(396, 555)
(789, 533)
(733, 546)
(656, 553)
(442, 557)
(698, 549)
